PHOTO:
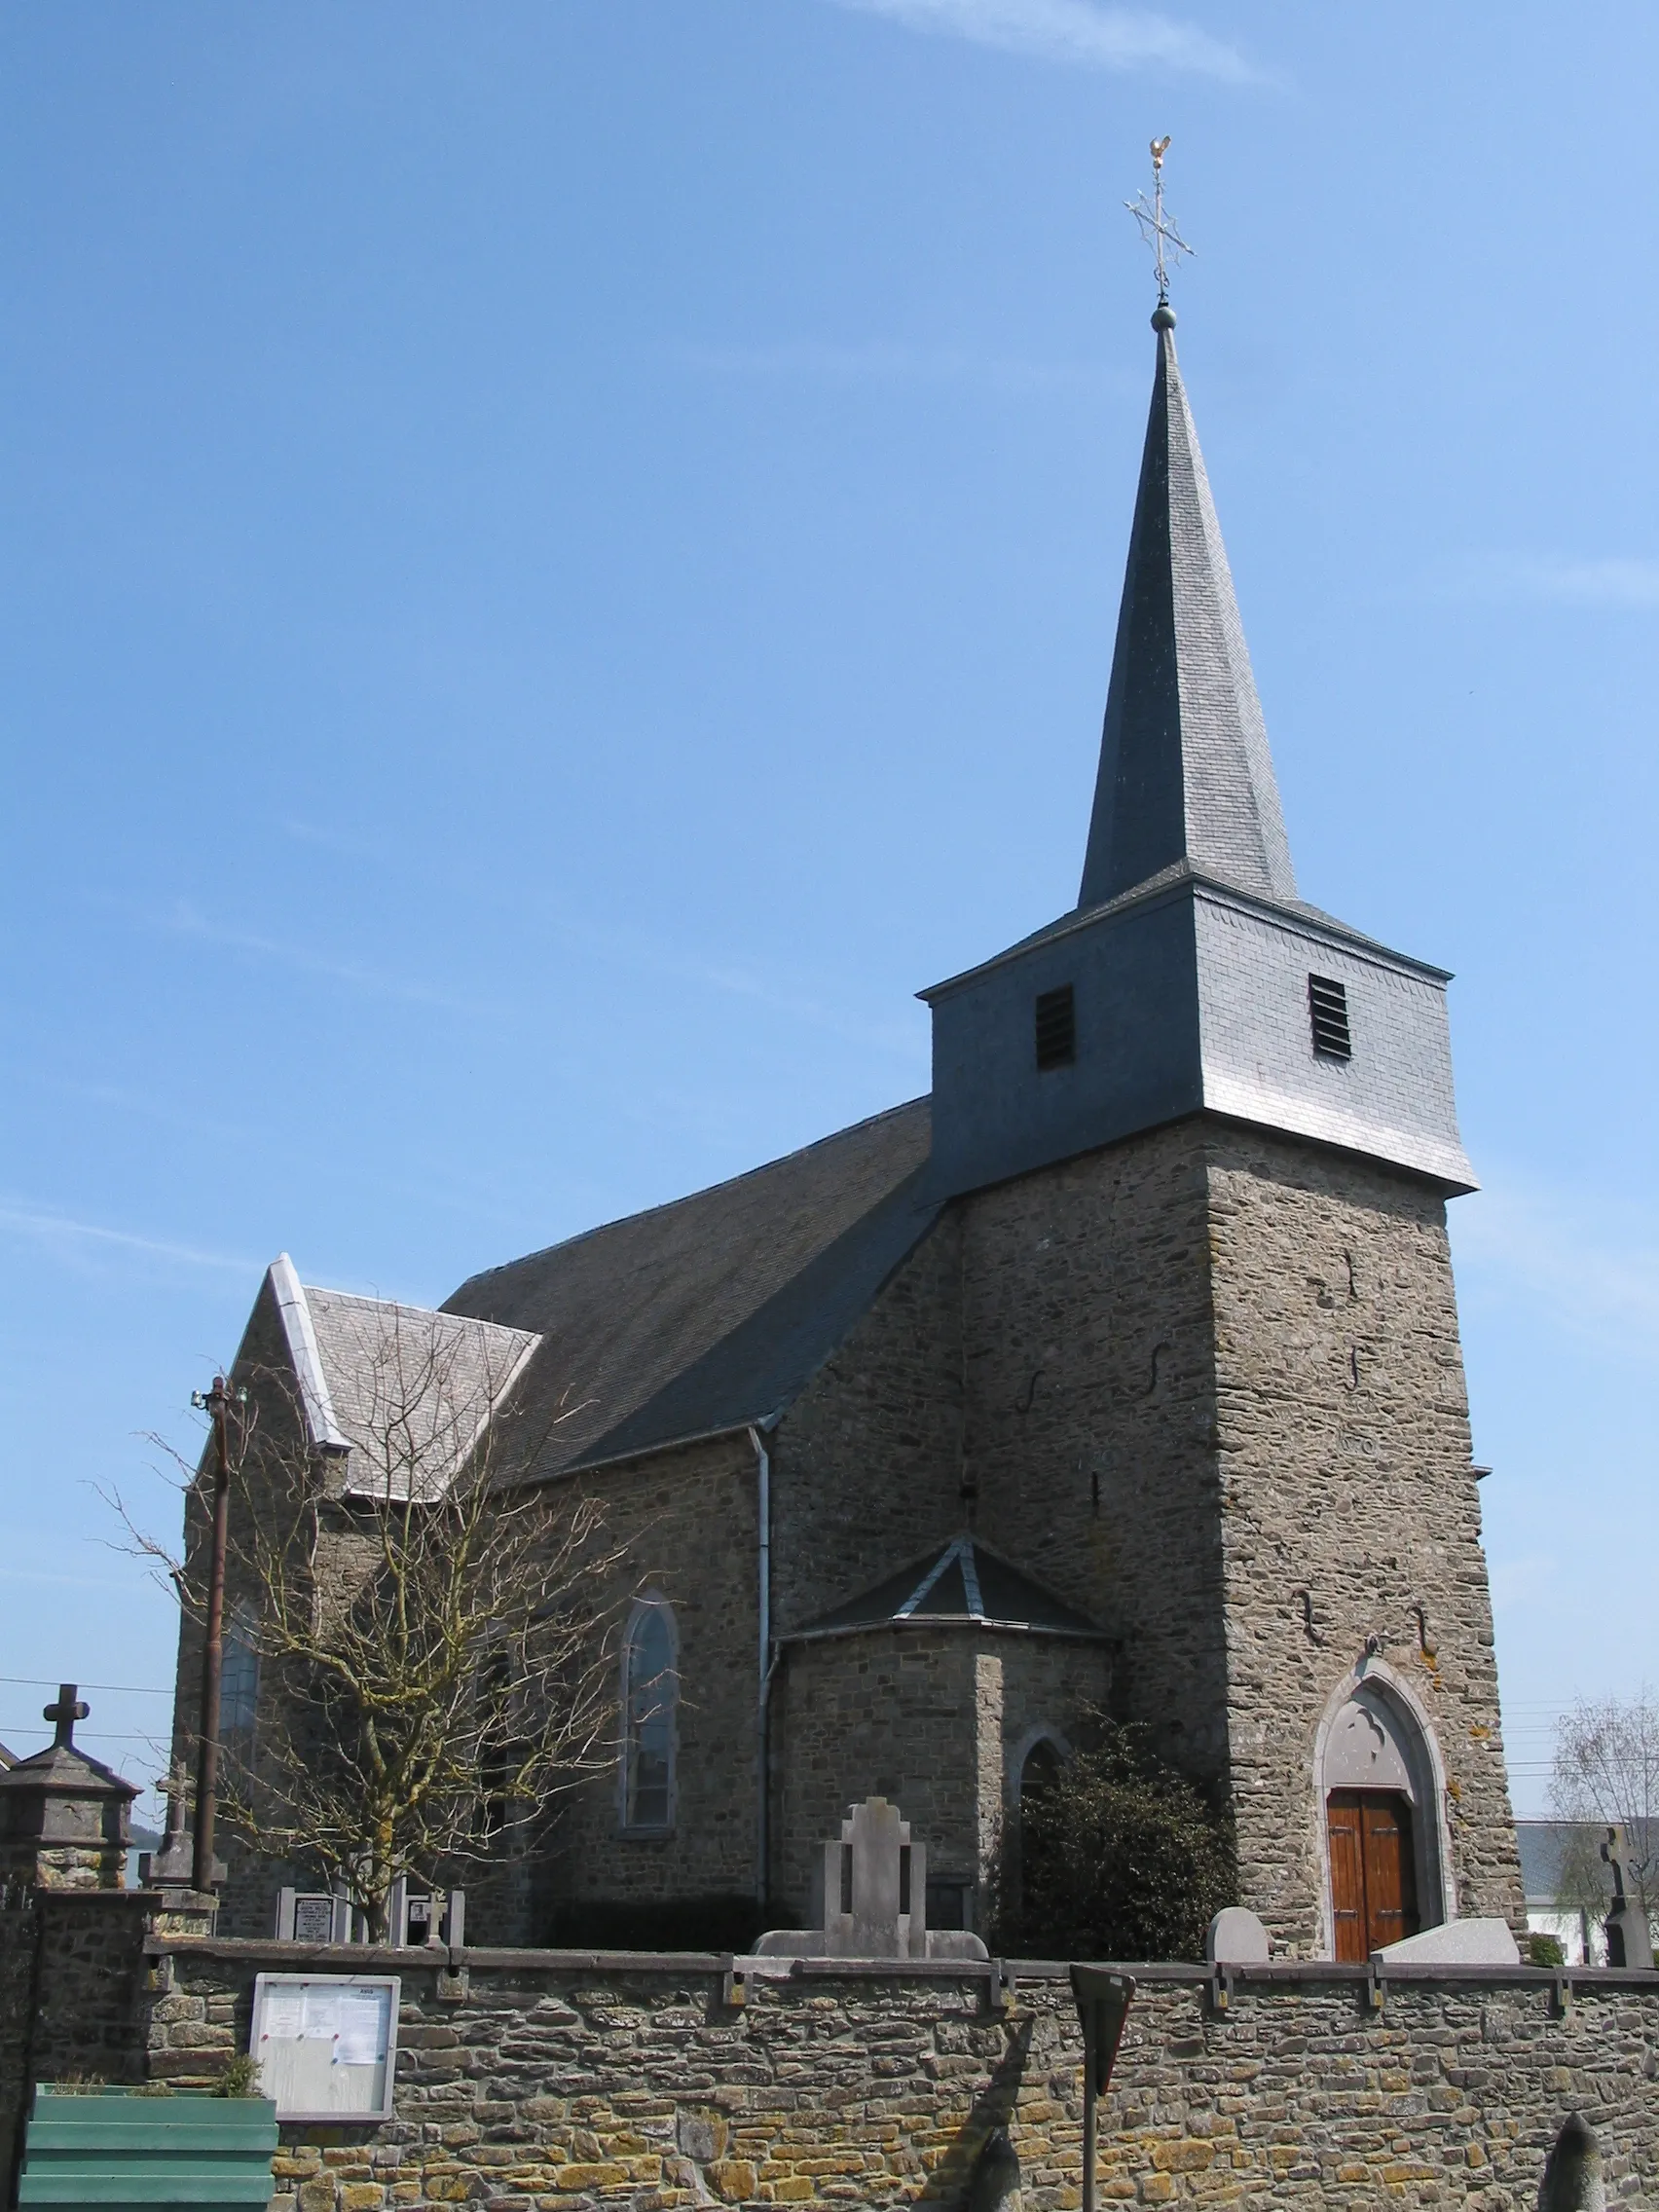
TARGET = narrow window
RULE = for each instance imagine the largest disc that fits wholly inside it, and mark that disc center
(1327, 1004)
(1056, 1028)
(650, 1694)
(238, 1675)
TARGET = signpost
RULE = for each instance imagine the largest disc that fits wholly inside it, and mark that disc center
(1102, 2005)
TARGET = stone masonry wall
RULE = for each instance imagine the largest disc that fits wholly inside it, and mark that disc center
(605, 2082)
(72, 1973)
(1091, 1414)
(1349, 1509)
(868, 1462)
(1215, 1397)
(684, 1523)
(929, 1718)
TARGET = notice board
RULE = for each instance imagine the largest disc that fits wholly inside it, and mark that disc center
(326, 2044)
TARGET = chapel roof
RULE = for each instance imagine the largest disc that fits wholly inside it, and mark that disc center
(964, 1585)
(406, 1391)
(696, 1318)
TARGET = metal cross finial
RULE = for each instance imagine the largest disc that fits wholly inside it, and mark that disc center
(1156, 228)
(65, 1709)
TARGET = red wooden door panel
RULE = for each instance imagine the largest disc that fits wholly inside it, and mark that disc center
(1373, 1870)
(1348, 1873)
(1390, 1886)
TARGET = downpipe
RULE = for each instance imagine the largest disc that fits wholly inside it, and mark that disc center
(768, 1658)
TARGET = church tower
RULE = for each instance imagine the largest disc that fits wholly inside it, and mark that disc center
(1199, 1137)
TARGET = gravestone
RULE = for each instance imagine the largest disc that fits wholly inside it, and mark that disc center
(1237, 1939)
(1457, 1942)
(1629, 1943)
(875, 1887)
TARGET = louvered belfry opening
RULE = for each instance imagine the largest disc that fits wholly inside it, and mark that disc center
(1056, 1027)
(1327, 1004)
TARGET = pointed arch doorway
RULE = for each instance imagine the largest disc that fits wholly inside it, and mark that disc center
(1379, 1792)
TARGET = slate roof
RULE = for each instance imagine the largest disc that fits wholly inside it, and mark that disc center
(405, 1390)
(962, 1586)
(702, 1315)
(1185, 771)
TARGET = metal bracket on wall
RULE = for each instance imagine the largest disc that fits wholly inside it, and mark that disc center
(451, 1983)
(734, 1988)
(1220, 1988)
(1375, 1988)
(1560, 1996)
(999, 1987)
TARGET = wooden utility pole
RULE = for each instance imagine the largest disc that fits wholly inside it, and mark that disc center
(216, 1402)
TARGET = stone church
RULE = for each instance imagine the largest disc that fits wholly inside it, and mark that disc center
(1120, 1372)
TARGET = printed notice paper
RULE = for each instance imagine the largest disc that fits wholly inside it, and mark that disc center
(321, 2019)
(362, 2037)
(284, 2012)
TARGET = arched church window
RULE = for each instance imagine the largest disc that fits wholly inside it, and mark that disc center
(1039, 1770)
(651, 1695)
(1381, 1830)
(238, 1675)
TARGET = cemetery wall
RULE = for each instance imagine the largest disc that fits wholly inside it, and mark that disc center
(565, 2081)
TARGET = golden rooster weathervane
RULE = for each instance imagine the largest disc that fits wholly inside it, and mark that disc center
(1156, 228)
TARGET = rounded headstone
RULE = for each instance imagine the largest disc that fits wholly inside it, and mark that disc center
(1237, 1939)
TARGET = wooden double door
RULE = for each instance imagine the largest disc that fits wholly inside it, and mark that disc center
(1373, 1869)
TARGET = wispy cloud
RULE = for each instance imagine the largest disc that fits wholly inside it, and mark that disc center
(1073, 32)
(790, 996)
(182, 920)
(1551, 1252)
(62, 1234)
(1617, 581)
(883, 362)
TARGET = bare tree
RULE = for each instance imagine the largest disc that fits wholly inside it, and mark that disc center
(430, 1630)
(1606, 1774)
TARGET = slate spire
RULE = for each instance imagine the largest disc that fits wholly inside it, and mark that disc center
(1185, 771)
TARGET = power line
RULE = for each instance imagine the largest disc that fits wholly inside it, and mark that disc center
(104, 1689)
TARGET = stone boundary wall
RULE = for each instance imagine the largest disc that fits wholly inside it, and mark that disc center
(73, 2000)
(559, 2082)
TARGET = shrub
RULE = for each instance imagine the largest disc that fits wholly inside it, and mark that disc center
(1117, 1856)
(240, 2079)
(1545, 1951)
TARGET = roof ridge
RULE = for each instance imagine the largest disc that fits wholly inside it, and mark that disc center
(707, 1189)
(405, 1306)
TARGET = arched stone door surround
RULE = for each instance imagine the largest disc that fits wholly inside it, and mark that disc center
(1376, 1736)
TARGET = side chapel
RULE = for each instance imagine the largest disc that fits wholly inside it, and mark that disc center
(1120, 1372)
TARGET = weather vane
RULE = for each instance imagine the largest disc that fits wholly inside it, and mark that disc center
(1156, 228)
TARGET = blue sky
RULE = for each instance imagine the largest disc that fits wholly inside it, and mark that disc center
(561, 560)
